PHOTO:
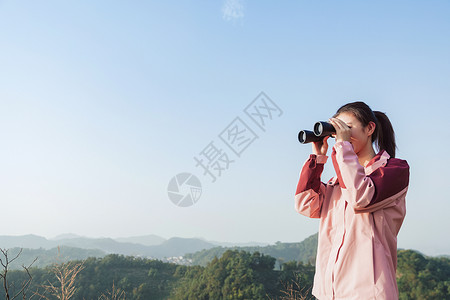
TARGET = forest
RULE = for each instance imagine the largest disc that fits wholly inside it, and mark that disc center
(236, 274)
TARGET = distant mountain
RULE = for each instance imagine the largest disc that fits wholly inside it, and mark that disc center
(304, 251)
(25, 241)
(47, 257)
(168, 248)
(231, 244)
(146, 240)
(66, 236)
(107, 245)
(180, 246)
(195, 251)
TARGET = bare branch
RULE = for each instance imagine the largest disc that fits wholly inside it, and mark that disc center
(25, 284)
(5, 254)
(18, 254)
(8, 287)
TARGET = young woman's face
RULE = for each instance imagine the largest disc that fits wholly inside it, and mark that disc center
(361, 136)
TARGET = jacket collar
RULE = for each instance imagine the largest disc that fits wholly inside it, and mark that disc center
(379, 160)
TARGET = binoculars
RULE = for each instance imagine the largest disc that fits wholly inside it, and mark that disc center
(321, 130)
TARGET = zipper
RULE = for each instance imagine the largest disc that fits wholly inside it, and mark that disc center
(339, 250)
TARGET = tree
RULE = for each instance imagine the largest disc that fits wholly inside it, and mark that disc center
(420, 277)
(236, 275)
(9, 288)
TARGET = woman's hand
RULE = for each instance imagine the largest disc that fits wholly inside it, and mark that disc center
(320, 148)
(343, 132)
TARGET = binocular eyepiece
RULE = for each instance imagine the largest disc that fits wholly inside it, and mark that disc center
(321, 130)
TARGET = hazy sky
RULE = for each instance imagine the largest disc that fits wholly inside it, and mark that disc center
(102, 103)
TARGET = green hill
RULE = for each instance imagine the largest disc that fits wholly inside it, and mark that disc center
(304, 251)
(46, 257)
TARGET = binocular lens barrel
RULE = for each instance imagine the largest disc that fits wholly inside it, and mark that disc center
(321, 130)
(306, 136)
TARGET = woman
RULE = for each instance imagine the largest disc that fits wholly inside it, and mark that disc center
(361, 209)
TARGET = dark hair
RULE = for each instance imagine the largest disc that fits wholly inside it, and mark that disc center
(383, 135)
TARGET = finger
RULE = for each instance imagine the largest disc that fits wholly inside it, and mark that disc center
(335, 123)
(342, 123)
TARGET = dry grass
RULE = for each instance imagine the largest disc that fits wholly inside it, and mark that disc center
(66, 274)
(114, 294)
(294, 291)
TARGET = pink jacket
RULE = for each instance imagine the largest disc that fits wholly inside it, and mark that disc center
(361, 211)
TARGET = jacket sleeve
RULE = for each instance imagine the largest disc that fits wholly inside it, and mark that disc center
(372, 192)
(310, 190)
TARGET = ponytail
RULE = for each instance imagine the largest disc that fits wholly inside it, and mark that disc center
(385, 136)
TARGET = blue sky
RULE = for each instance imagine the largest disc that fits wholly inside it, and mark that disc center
(102, 103)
